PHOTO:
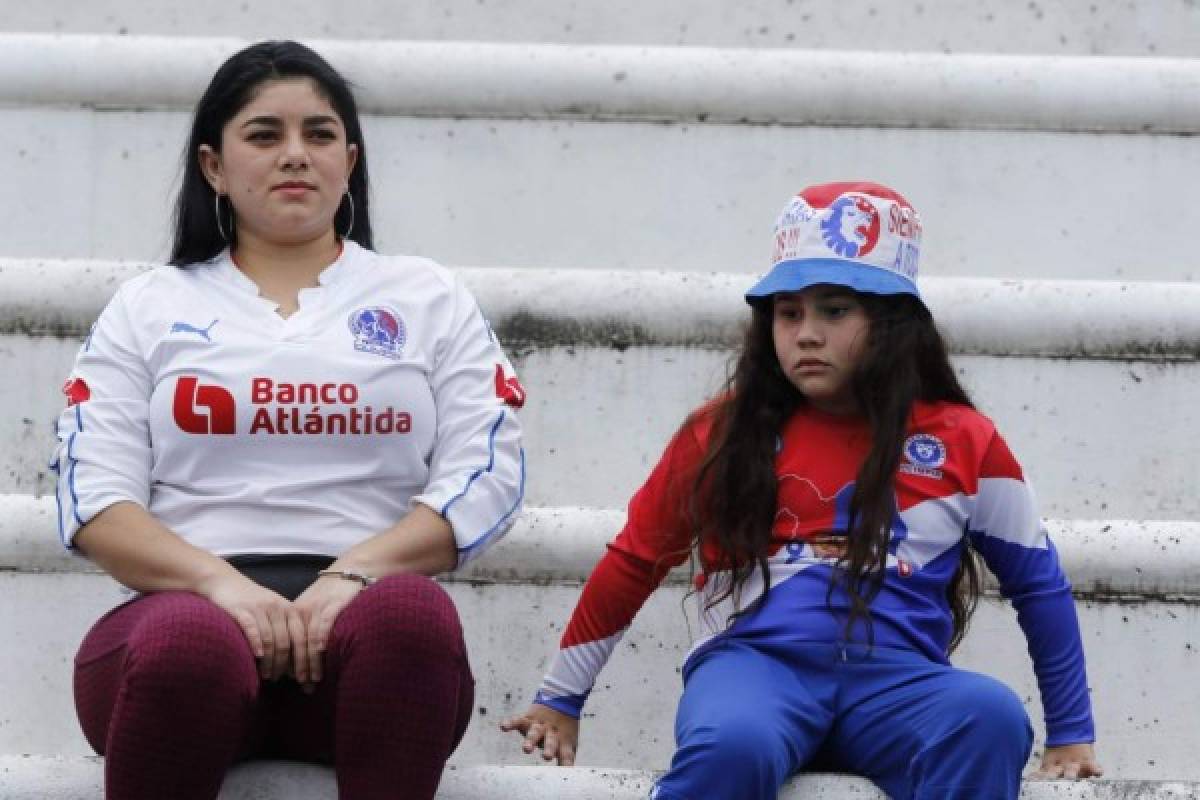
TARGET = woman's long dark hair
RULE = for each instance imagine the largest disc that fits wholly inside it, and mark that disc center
(197, 234)
(734, 500)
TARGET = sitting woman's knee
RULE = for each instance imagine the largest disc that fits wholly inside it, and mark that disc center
(410, 611)
(191, 642)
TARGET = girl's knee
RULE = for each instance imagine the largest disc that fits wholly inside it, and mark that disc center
(741, 743)
(999, 711)
(736, 757)
(981, 753)
(993, 722)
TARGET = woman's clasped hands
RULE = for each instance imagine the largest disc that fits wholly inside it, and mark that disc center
(287, 638)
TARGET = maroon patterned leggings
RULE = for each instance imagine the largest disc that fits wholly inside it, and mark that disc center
(167, 691)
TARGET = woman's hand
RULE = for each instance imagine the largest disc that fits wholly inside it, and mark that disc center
(421, 542)
(1070, 762)
(271, 624)
(318, 608)
(556, 733)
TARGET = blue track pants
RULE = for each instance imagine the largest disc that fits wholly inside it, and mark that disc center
(751, 715)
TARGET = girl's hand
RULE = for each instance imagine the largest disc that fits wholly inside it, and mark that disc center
(556, 733)
(318, 607)
(1070, 762)
(271, 624)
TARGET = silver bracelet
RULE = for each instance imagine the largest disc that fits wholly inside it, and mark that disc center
(350, 575)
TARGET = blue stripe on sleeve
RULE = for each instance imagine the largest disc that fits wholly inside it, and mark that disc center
(62, 532)
(53, 465)
(481, 470)
(499, 526)
(71, 480)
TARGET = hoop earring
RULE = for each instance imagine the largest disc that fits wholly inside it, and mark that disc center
(350, 227)
(217, 213)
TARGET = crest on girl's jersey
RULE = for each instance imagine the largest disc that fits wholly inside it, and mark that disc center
(378, 330)
(924, 453)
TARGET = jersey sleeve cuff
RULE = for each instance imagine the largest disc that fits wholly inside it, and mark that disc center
(1083, 733)
(481, 519)
(73, 514)
(571, 705)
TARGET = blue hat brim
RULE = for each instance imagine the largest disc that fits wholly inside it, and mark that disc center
(795, 276)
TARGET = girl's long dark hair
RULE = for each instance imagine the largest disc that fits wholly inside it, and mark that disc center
(734, 499)
(197, 235)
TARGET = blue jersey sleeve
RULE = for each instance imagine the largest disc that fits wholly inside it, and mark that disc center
(1006, 530)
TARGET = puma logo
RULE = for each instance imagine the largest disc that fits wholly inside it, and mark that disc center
(183, 327)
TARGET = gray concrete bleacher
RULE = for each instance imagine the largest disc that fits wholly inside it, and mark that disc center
(81, 779)
(1051, 192)
(1135, 578)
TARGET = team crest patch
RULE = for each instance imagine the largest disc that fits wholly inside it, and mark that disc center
(852, 227)
(378, 330)
(924, 454)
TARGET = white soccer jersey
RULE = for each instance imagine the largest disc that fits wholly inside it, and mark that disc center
(245, 432)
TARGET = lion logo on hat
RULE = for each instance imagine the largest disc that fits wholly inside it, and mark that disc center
(852, 227)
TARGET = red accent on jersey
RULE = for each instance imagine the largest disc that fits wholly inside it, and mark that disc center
(999, 462)
(222, 416)
(76, 391)
(656, 538)
(508, 389)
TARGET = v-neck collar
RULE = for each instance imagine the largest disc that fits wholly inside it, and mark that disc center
(227, 270)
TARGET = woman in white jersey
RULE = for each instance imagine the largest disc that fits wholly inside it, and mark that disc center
(274, 441)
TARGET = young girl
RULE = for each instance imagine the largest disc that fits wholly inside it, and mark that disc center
(833, 498)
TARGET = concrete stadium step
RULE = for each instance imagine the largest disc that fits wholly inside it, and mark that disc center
(1081, 27)
(561, 545)
(49, 778)
(1092, 383)
(480, 152)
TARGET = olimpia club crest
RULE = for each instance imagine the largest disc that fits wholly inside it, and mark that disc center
(851, 228)
(378, 330)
